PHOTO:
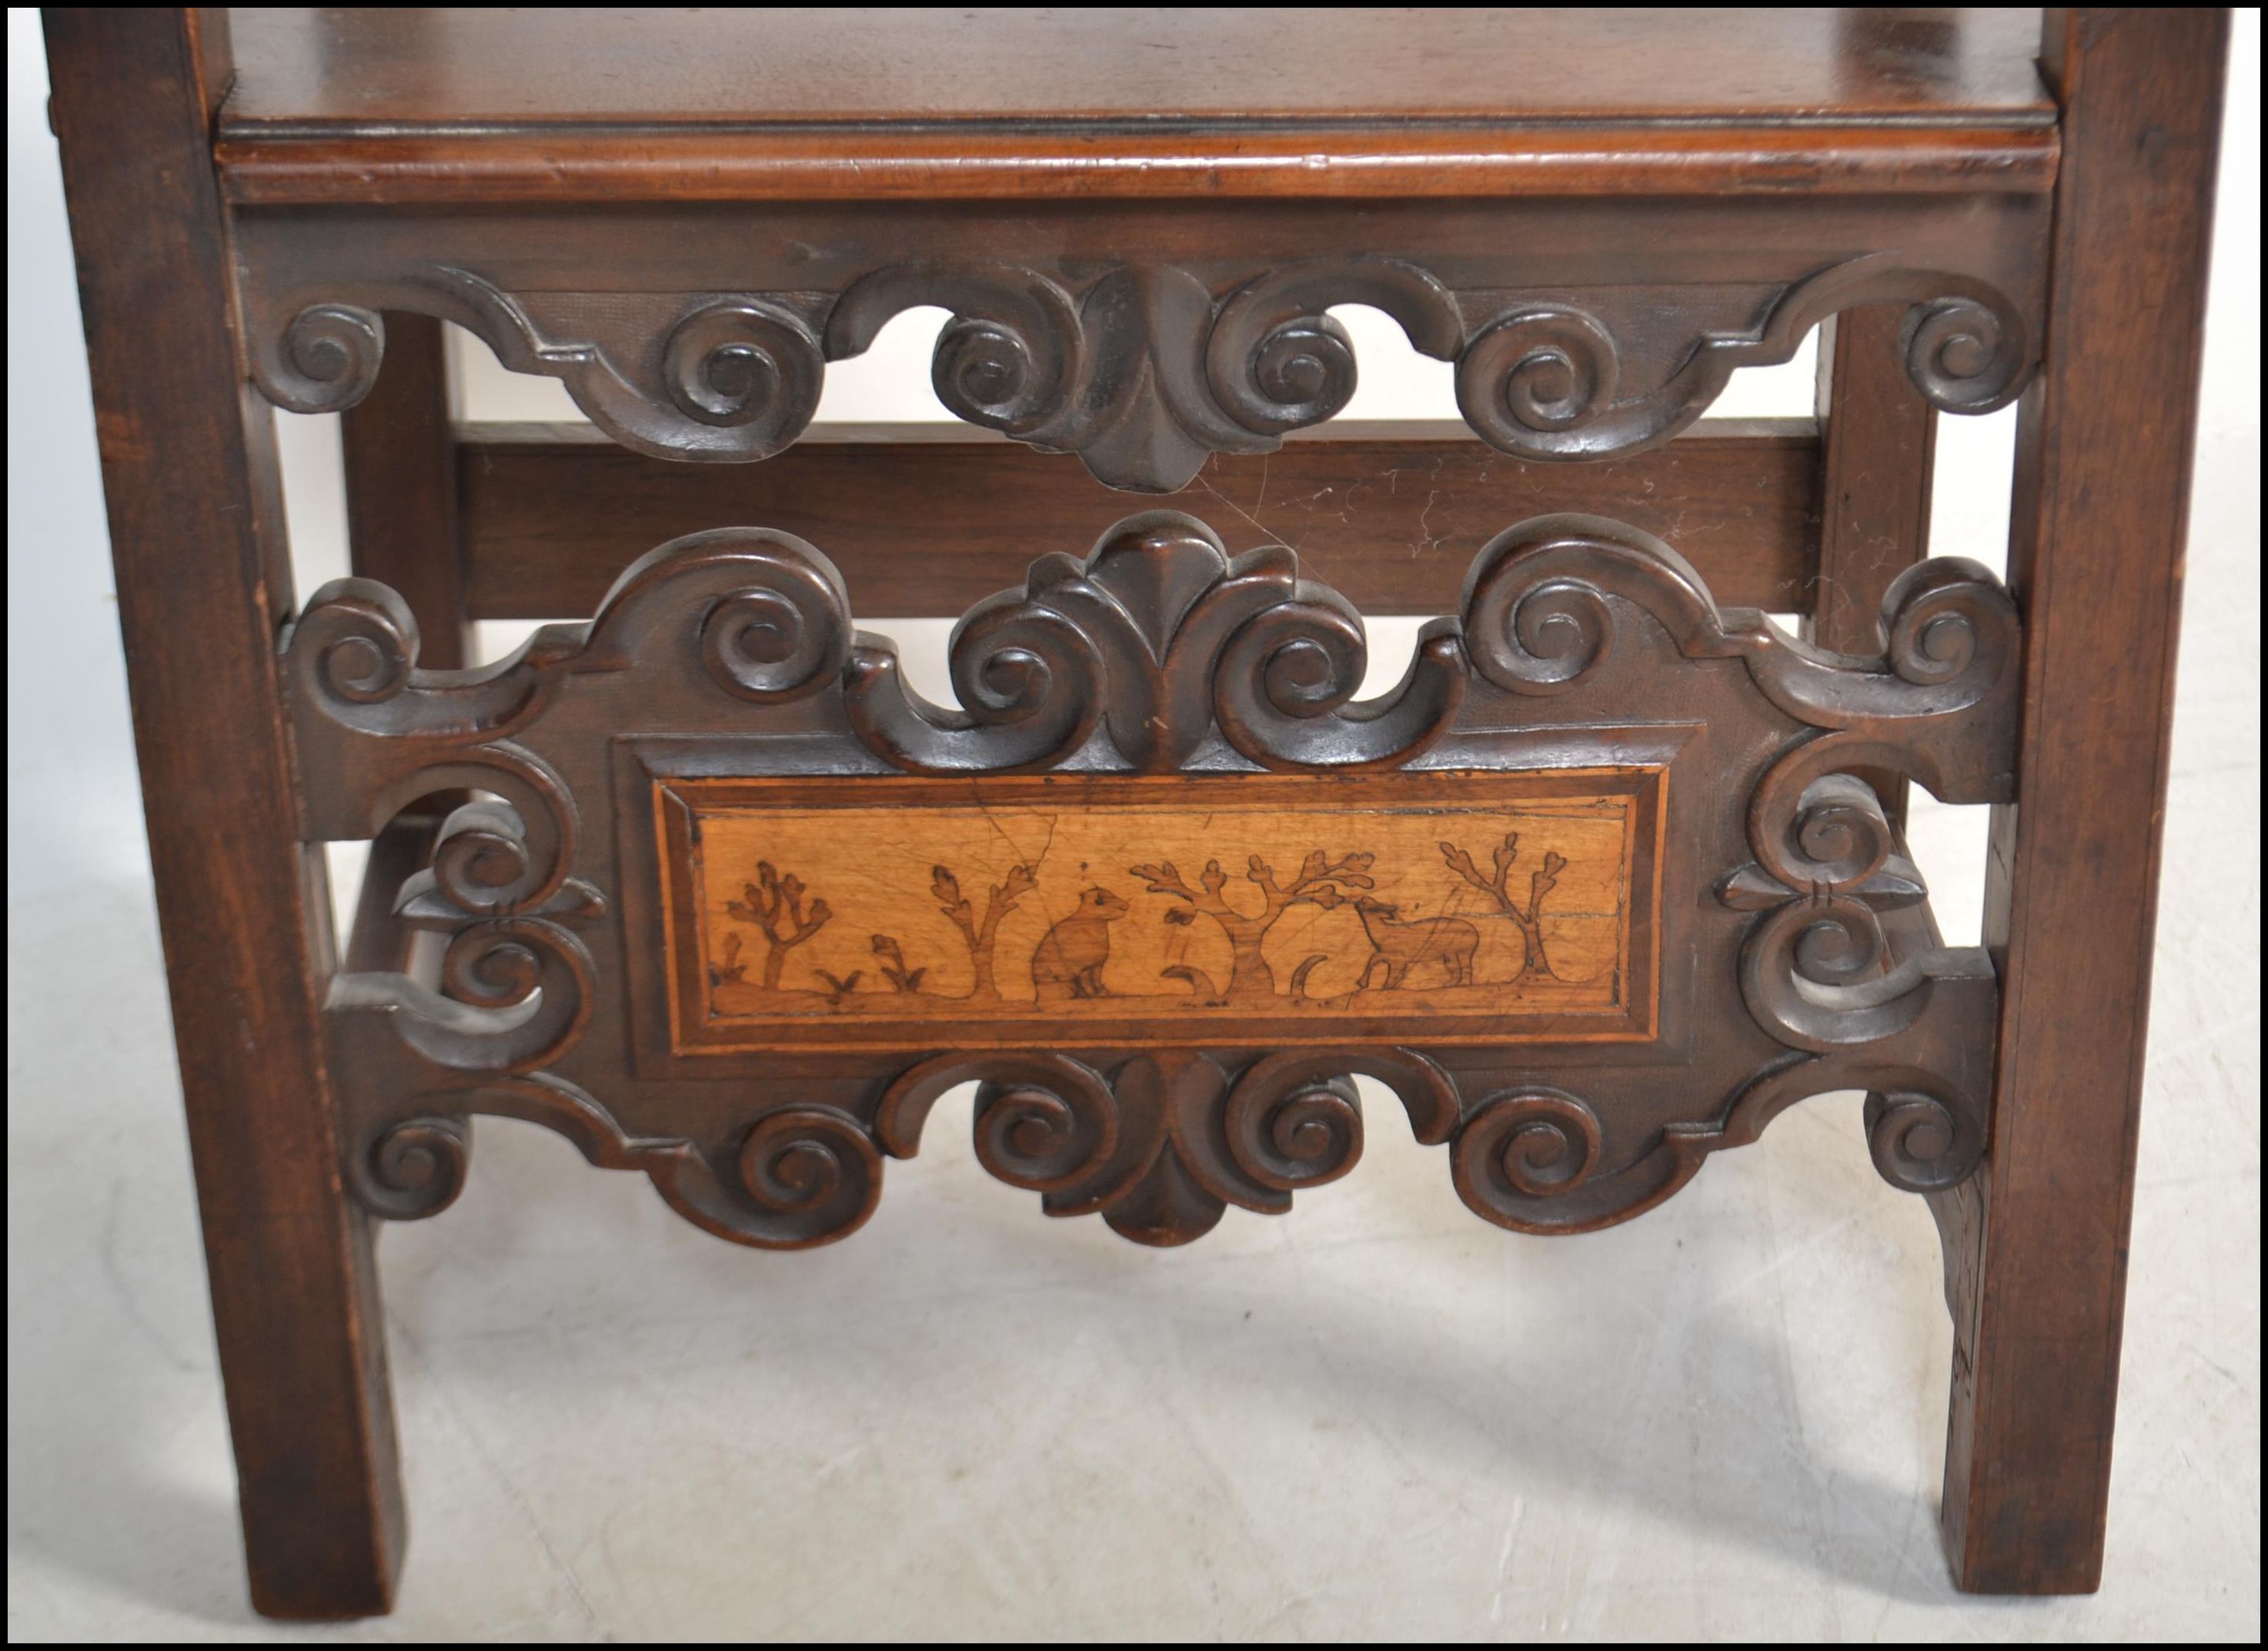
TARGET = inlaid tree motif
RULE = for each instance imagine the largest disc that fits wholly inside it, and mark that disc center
(774, 904)
(1528, 919)
(982, 933)
(892, 962)
(728, 970)
(1316, 884)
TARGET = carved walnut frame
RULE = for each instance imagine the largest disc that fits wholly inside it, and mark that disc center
(1568, 345)
(1778, 890)
(1573, 337)
(1786, 945)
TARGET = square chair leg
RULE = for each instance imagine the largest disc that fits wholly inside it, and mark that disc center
(2036, 1241)
(188, 464)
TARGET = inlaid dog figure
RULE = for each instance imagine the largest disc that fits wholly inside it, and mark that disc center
(1449, 941)
(1070, 955)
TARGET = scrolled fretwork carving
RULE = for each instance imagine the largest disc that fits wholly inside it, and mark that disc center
(1029, 679)
(747, 367)
(811, 1173)
(1964, 356)
(329, 358)
(1145, 368)
(1289, 1131)
(1926, 1124)
(1549, 380)
(725, 377)
(1542, 383)
(1547, 604)
(1159, 666)
(1521, 1150)
(1275, 361)
(1938, 702)
(1163, 637)
(1162, 1144)
(412, 1169)
(793, 1176)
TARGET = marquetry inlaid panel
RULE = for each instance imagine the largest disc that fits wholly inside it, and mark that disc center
(1162, 912)
(1592, 891)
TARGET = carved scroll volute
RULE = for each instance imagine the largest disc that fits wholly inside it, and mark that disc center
(801, 1175)
(725, 378)
(519, 995)
(1044, 1122)
(1163, 637)
(1967, 354)
(770, 616)
(1275, 361)
(1522, 1151)
(748, 370)
(1548, 380)
(1539, 614)
(1926, 1125)
(351, 659)
(1163, 1145)
(327, 359)
(1161, 653)
(1030, 683)
(1542, 382)
(1145, 369)
(795, 1177)
(408, 1168)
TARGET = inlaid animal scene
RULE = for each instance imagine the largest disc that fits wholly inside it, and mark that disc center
(1131, 911)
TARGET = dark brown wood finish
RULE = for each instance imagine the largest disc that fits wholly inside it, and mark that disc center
(408, 68)
(1390, 514)
(1697, 917)
(400, 458)
(2036, 1248)
(1143, 335)
(595, 981)
(1878, 442)
(188, 466)
(465, 106)
(1878, 453)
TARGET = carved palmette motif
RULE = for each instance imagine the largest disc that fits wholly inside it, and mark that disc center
(1146, 370)
(1776, 940)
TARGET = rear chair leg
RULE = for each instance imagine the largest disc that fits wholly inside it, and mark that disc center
(2036, 1241)
(203, 585)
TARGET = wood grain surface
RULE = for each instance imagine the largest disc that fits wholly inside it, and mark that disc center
(1466, 904)
(926, 518)
(736, 906)
(189, 471)
(2035, 1246)
(360, 66)
(441, 103)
